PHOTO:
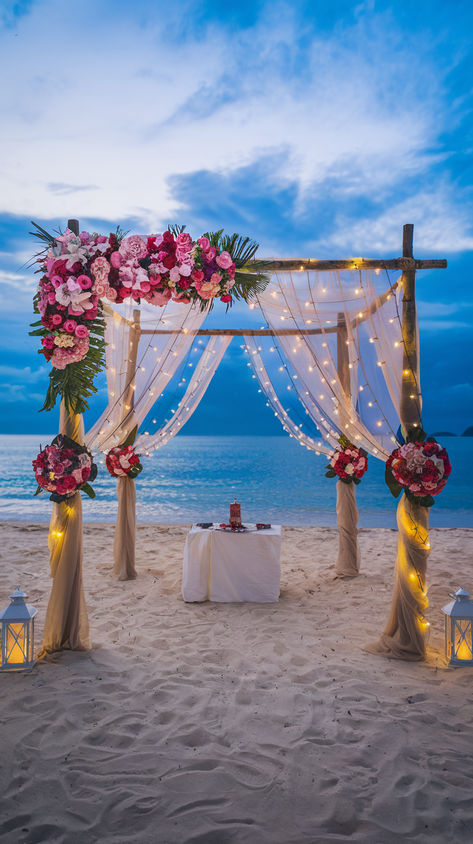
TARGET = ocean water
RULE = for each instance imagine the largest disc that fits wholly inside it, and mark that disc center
(195, 478)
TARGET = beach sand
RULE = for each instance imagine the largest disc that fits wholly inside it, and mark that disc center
(219, 723)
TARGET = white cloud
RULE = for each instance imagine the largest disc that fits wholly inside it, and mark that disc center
(102, 111)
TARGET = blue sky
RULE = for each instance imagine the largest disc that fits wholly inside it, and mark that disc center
(318, 129)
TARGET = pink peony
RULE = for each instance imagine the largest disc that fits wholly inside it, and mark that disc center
(133, 248)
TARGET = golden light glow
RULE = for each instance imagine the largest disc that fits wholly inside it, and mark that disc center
(15, 643)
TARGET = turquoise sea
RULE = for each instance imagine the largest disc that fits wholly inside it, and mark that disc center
(195, 478)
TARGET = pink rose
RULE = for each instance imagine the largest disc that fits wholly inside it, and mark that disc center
(115, 260)
(56, 319)
(224, 260)
(70, 326)
(82, 331)
(204, 243)
(210, 254)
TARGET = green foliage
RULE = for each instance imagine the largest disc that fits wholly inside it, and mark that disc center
(130, 438)
(416, 435)
(394, 486)
(76, 381)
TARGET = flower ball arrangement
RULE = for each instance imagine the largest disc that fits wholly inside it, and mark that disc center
(420, 468)
(348, 463)
(122, 462)
(63, 468)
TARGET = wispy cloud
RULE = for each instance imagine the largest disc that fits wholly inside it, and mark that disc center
(337, 114)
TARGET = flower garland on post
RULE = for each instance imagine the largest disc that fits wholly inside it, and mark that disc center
(419, 468)
(124, 464)
(348, 463)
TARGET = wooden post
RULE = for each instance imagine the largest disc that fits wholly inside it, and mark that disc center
(410, 409)
(348, 559)
(73, 225)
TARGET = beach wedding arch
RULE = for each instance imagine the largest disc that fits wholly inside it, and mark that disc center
(346, 352)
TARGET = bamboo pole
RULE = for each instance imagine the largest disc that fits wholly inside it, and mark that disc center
(348, 559)
(410, 409)
(304, 264)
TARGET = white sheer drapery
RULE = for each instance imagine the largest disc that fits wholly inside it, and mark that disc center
(210, 356)
(145, 348)
(318, 319)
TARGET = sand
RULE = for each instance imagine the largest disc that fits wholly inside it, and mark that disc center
(219, 723)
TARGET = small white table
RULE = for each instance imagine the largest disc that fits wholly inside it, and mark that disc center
(230, 566)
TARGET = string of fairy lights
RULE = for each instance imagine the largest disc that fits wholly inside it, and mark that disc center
(325, 367)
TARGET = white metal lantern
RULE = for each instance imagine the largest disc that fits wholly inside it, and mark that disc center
(458, 629)
(17, 634)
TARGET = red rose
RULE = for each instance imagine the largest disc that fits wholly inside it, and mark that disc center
(169, 262)
(167, 238)
(226, 298)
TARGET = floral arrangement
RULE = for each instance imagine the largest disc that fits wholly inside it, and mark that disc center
(79, 270)
(63, 468)
(122, 461)
(420, 468)
(348, 463)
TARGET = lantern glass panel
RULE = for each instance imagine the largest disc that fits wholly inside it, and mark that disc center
(15, 643)
(463, 642)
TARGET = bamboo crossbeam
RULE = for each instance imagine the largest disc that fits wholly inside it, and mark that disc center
(241, 332)
(302, 264)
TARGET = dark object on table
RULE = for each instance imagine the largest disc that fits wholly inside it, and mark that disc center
(235, 514)
(204, 525)
(235, 528)
(260, 526)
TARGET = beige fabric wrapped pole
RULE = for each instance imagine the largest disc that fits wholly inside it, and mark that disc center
(125, 530)
(66, 624)
(348, 559)
(404, 636)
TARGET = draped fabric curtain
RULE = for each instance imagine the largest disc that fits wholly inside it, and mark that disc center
(146, 348)
(322, 319)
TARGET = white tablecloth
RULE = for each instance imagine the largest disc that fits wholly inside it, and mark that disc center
(230, 566)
